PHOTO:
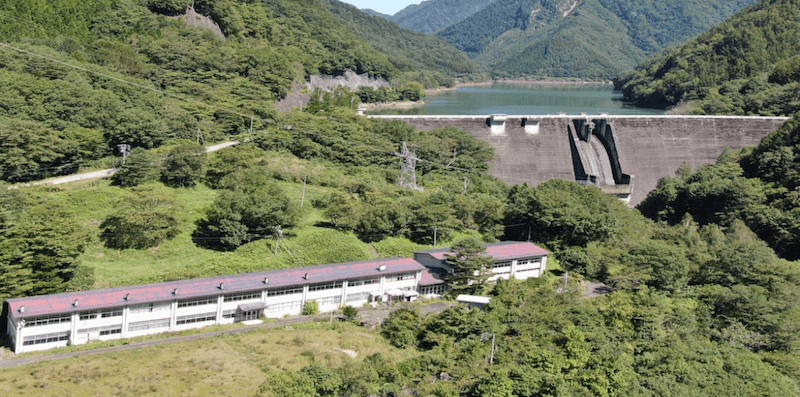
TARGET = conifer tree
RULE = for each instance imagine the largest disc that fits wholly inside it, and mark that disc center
(470, 265)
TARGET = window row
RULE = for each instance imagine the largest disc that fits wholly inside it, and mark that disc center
(149, 324)
(401, 277)
(45, 338)
(196, 318)
(40, 321)
(297, 289)
(152, 307)
(229, 313)
(364, 281)
(282, 307)
(500, 264)
(208, 300)
(325, 286)
(362, 296)
(530, 261)
(243, 296)
(331, 300)
(107, 330)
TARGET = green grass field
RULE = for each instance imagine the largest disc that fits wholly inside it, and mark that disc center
(179, 258)
(227, 365)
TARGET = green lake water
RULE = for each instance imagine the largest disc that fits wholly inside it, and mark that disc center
(524, 99)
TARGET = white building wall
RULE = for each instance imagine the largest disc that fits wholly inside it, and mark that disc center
(163, 316)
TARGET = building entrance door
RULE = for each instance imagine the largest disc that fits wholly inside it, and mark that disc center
(251, 315)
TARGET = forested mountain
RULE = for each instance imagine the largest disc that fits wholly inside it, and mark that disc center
(428, 52)
(747, 65)
(594, 39)
(57, 116)
(433, 15)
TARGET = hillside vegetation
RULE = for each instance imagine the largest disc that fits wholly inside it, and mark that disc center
(434, 15)
(132, 72)
(428, 52)
(592, 39)
(746, 65)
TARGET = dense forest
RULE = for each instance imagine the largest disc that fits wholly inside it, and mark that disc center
(152, 76)
(746, 65)
(702, 280)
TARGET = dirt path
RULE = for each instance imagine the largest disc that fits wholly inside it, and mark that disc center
(107, 172)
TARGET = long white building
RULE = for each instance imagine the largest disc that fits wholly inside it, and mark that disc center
(48, 321)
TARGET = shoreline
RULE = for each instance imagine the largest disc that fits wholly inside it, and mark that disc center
(515, 81)
(391, 105)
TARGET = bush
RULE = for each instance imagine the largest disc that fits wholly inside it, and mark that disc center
(310, 308)
(350, 312)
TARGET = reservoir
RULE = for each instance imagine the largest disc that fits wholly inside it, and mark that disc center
(524, 99)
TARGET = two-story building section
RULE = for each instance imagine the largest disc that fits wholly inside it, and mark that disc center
(517, 259)
(48, 321)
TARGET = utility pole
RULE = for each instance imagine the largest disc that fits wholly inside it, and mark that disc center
(280, 233)
(303, 196)
(251, 124)
(125, 149)
(466, 183)
(485, 336)
(200, 137)
(434, 236)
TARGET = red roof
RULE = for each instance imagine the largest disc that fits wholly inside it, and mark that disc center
(148, 293)
(499, 251)
(431, 277)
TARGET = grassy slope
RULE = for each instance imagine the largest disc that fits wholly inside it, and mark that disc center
(229, 365)
(180, 258)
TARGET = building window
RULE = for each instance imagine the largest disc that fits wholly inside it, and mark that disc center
(401, 277)
(363, 281)
(437, 289)
(325, 286)
(149, 324)
(150, 307)
(500, 264)
(229, 313)
(107, 330)
(297, 289)
(45, 338)
(362, 296)
(88, 315)
(115, 312)
(243, 296)
(40, 321)
(282, 307)
(529, 261)
(536, 269)
(196, 318)
(208, 300)
(331, 300)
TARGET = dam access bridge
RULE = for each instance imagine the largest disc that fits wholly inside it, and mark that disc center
(622, 155)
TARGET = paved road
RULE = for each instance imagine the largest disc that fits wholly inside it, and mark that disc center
(107, 172)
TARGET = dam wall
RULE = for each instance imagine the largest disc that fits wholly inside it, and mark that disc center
(534, 149)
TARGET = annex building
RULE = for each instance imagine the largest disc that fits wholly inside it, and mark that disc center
(49, 321)
(517, 259)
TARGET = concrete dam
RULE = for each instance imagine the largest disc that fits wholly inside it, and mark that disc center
(622, 155)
